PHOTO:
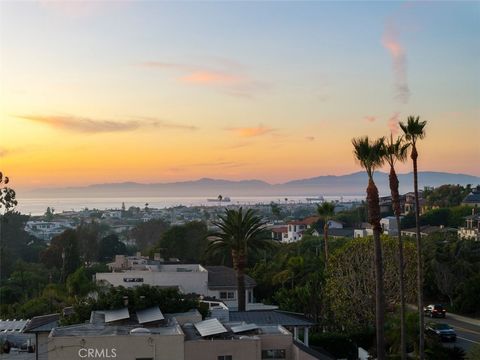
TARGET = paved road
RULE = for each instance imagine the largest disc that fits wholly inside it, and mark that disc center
(468, 330)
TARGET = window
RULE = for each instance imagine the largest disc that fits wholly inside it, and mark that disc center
(250, 297)
(132, 279)
(273, 354)
(227, 295)
(224, 357)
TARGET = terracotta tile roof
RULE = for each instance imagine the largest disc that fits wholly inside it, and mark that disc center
(307, 221)
(282, 229)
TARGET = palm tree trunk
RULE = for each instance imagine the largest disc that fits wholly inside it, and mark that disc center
(374, 219)
(393, 179)
(421, 342)
(239, 266)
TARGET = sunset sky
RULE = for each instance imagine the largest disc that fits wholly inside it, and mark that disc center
(159, 91)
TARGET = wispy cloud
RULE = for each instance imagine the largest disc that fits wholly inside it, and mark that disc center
(229, 78)
(90, 125)
(211, 77)
(393, 123)
(399, 61)
(370, 118)
(310, 138)
(247, 132)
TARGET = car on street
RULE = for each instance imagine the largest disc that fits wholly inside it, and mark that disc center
(435, 310)
(442, 332)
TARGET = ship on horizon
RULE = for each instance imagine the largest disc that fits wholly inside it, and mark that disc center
(220, 198)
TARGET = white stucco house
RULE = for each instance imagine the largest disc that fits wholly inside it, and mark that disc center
(216, 282)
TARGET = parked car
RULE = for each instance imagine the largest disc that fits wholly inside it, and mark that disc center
(435, 310)
(442, 332)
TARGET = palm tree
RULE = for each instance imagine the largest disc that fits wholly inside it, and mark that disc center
(397, 151)
(240, 233)
(370, 155)
(326, 210)
(414, 130)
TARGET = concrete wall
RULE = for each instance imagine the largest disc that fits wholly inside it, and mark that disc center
(42, 346)
(278, 342)
(126, 347)
(188, 282)
(244, 349)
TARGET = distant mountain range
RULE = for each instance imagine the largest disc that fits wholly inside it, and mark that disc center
(351, 184)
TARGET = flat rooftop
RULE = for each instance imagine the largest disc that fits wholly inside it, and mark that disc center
(109, 330)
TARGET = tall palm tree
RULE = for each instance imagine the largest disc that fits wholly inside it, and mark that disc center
(326, 210)
(414, 130)
(370, 155)
(397, 151)
(240, 233)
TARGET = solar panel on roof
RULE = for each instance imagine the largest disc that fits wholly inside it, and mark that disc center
(115, 315)
(149, 315)
(244, 327)
(12, 325)
(210, 327)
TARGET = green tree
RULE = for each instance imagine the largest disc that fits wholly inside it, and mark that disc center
(16, 243)
(326, 211)
(110, 246)
(276, 211)
(78, 284)
(148, 233)
(88, 235)
(63, 253)
(370, 156)
(241, 233)
(7, 195)
(187, 242)
(351, 284)
(49, 213)
(397, 151)
(414, 130)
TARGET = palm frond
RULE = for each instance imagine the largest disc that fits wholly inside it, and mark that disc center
(369, 153)
(413, 129)
(395, 150)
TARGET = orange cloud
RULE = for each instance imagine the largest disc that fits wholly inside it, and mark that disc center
(229, 80)
(393, 123)
(211, 77)
(310, 138)
(399, 61)
(88, 125)
(251, 131)
(370, 118)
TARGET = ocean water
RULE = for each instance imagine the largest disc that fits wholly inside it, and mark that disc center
(37, 206)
